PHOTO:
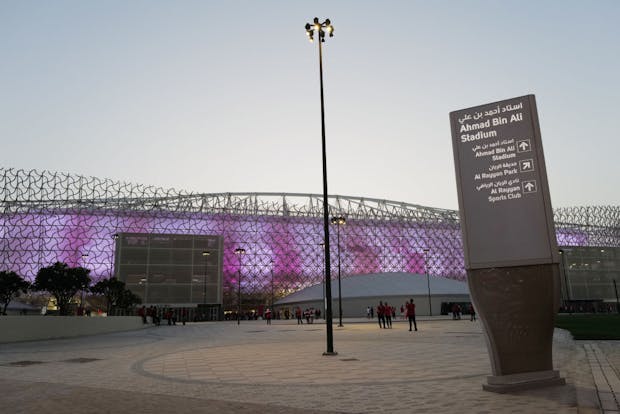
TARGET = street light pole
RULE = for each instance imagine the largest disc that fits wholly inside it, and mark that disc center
(272, 287)
(617, 301)
(322, 244)
(84, 257)
(321, 29)
(239, 251)
(114, 238)
(205, 254)
(339, 221)
(428, 283)
(567, 293)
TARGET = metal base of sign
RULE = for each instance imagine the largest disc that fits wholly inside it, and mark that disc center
(517, 307)
(524, 381)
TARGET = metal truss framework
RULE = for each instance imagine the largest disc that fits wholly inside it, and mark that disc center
(47, 217)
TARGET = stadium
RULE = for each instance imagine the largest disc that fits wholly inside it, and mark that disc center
(47, 217)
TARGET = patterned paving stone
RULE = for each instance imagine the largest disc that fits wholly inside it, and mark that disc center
(221, 367)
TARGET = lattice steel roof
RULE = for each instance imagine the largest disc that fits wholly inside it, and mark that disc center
(23, 191)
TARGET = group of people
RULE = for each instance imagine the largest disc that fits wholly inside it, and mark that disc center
(385, 313)
(156, 315)
(309, 314)
(457, 311)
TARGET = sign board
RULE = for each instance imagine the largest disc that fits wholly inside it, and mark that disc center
(504, 204)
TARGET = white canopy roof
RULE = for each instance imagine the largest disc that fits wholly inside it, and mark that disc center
(381, 285)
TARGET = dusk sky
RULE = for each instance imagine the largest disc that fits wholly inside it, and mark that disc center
(213, 97)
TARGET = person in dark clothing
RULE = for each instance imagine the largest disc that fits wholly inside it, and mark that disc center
(142, 314)
(268, 316)
(472, 313)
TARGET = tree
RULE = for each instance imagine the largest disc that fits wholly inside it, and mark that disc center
(116, 294)
(128, 299)
(111, 289)
(11, 284)
(62, 282)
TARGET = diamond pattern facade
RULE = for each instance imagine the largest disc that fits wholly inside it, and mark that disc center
(47, 217)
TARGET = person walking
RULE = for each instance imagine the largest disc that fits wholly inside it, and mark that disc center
(472, 312)
(156, 316)
(142, 314)
(268, 316)
(184, 316)
(411, 315)
(387, 313)
(380, 315)
(298, 316)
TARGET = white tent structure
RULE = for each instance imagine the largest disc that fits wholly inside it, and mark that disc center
(362, 291)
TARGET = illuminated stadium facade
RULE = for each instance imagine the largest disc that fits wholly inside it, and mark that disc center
(47, 217)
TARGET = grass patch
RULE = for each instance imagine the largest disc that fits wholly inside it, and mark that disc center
(590, 326)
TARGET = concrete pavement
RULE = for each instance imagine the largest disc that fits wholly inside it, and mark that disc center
(220, 367)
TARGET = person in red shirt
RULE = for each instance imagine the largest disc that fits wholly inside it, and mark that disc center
(381, 314)
(411, 315)
(142, 314)
(387, 314)
(298, 316)
(268, 316)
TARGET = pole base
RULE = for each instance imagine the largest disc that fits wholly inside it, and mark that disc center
(330, 353)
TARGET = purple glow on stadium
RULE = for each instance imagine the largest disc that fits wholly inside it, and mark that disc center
(35, 240)
(47, 217)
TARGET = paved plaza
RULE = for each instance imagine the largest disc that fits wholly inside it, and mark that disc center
(220, 367)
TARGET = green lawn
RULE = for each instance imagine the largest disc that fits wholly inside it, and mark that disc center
(590, 326)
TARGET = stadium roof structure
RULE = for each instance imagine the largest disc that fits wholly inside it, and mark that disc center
(28, 190)
(25, 191)
(48, 216)
(381, 285)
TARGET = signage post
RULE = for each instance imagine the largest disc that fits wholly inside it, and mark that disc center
(511, 254)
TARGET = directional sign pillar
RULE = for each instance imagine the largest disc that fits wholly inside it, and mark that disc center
(511, 253)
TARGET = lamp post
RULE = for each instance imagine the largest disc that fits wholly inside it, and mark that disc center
(321, 29)
(428, 283)
(239, 251)
(114, 238)
(84, 257)
(272, 287)
(322, 245)
(617, 301)
(339, 221)
(567, 293)
(205, 255)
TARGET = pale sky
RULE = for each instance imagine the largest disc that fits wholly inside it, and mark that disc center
(223, 96)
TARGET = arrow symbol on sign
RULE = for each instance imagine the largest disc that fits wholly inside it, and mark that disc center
(523, 145)
(527, 165)
(529, 186)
